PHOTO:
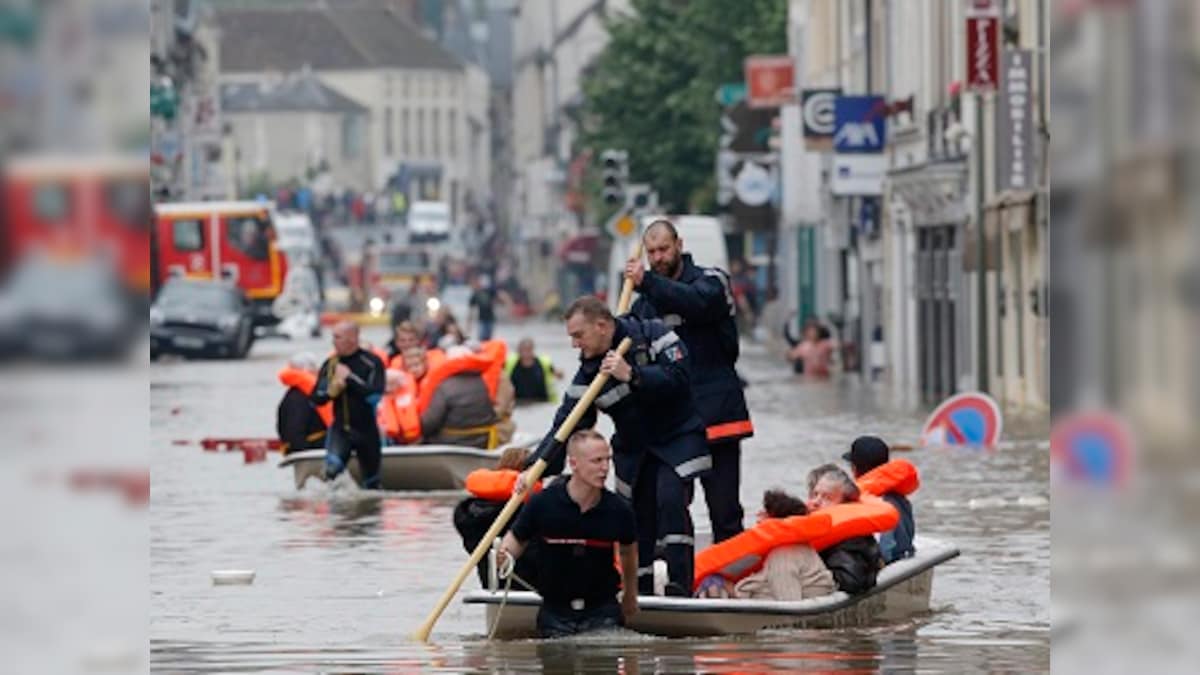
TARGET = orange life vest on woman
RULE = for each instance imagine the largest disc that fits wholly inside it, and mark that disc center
(488, 362)
(898, 475)
(397, 412)
(306, 382)
(496, 485)
(740, 556)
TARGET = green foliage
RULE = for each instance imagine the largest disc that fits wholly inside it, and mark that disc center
(651, 90)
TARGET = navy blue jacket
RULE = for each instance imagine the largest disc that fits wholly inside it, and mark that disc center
(898, 543)
(652, 413)
(699, 306)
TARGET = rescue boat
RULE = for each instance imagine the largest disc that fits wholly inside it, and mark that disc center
(902, 590)
(411, 467)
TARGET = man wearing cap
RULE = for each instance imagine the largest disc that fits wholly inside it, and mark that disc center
(867, 453)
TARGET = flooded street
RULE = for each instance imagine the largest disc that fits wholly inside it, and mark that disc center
(344, 578)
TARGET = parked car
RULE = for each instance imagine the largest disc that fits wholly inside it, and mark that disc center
(66, 310)
(197, 317)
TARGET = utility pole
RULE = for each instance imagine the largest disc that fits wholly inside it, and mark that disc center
(981, 247)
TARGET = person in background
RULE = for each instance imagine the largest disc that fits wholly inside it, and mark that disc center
(483, 306)
(867, 453)
(814, 352)
(404, 335)
(532, 375)
(854, 562)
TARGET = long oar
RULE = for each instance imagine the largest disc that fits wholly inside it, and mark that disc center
(627, 288)
(535, 473)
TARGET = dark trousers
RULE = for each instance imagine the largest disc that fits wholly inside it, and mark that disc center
(660, 500)
(559, 621)
(339, 443)
(721, 489)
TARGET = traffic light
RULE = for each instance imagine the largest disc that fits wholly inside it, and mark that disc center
(615, 164)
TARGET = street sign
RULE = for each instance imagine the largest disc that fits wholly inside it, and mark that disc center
(1094, 448)
(770, 81)
(857, 129)
(983, 45)
(622, 226)
(858, 175)
(817, 112)
(1014, 123)
(969, 419)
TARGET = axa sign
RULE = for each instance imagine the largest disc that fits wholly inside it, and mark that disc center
(858, 128)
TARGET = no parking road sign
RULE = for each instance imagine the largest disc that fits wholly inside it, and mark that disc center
(1094, 448)
(967, 419)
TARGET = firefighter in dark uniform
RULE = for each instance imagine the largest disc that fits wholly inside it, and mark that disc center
(578, 524)
(697, 303)
(353, 378)
(659, 443)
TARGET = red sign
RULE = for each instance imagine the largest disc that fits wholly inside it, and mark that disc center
(770, 81)
(983, 53)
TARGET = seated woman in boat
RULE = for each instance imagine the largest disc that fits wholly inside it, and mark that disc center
(490, 490)
(854, 562)
(790, 572)
(455, 403)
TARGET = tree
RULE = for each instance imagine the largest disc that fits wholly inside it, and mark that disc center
(651, 89)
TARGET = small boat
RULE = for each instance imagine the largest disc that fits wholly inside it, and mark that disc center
(410, 467)
(901, 591)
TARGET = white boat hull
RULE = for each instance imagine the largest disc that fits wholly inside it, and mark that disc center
(902, 590)
(415, 467)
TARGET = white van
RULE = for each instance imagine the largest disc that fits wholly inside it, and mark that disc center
(702, 237)
(428, 221)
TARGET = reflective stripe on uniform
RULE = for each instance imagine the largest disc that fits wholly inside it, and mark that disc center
(672, 320)
(727, 429)
(643, 571)
(664, 341)
(724, 285)
(613, 396)
(694, 466)
(676, 539)
(576, 390)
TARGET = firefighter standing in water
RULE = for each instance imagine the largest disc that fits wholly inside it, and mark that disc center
(353, 378)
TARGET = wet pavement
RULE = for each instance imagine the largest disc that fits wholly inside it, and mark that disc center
(344, 577)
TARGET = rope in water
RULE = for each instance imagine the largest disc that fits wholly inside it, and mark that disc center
(509, 573)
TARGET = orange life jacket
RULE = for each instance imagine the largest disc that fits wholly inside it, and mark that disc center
(898, 475)
(397, 412)
(739, 556)
(495, 485)
(306, 382)
(488, 362)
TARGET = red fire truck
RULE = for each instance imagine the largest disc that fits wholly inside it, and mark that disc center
(232, 240)
(68, 207)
